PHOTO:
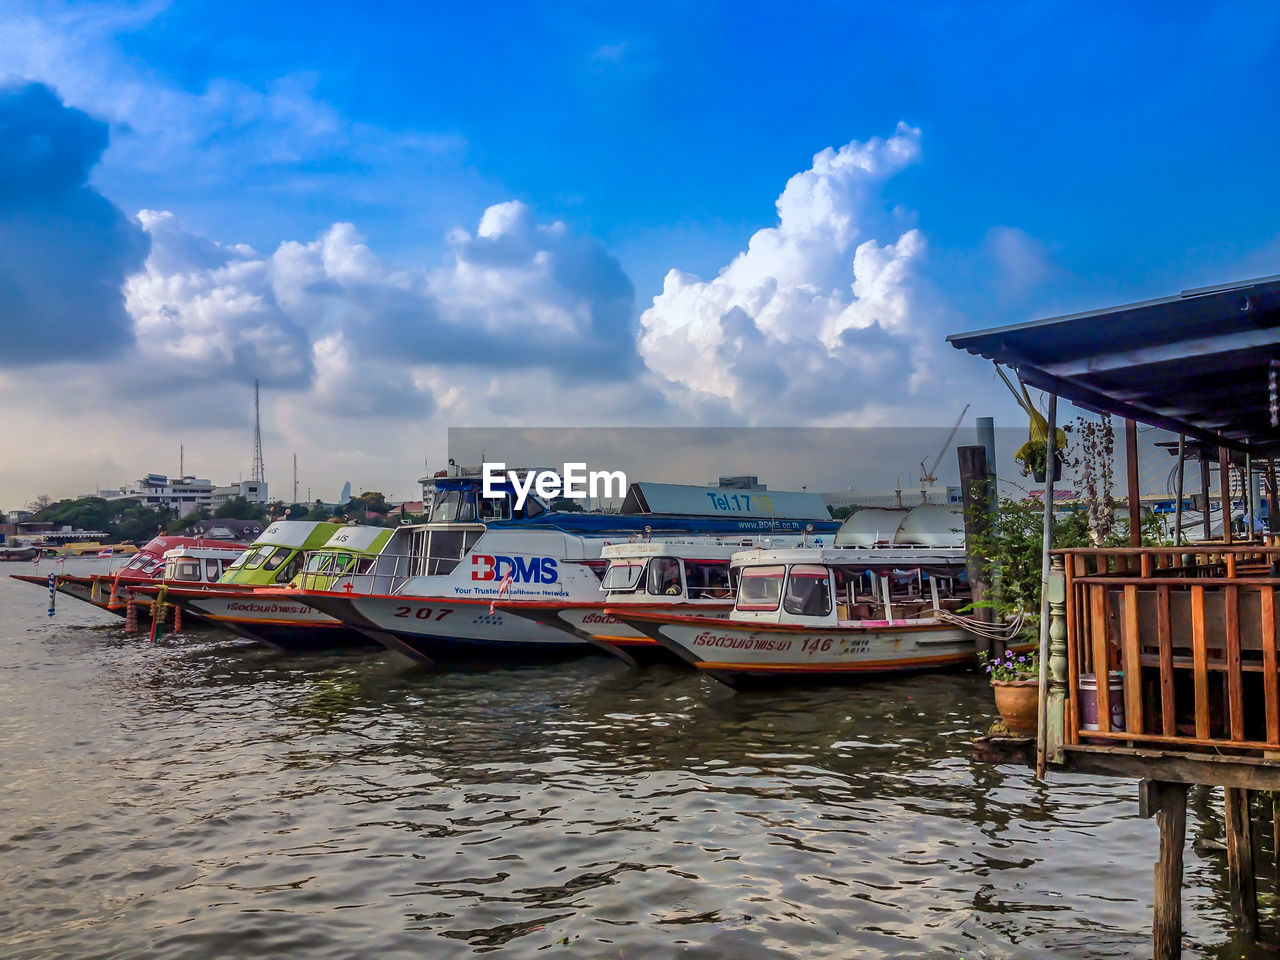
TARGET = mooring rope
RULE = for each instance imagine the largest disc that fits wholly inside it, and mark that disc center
(992, 631)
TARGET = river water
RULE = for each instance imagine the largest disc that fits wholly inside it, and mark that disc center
(204, 798)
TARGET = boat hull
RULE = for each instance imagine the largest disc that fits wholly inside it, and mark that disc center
(751, 654)
(439, 631)
(590, 622)
(285, 625)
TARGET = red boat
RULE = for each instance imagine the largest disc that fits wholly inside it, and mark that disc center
(112, 591)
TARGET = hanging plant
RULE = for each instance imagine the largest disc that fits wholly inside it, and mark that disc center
(1034, 454)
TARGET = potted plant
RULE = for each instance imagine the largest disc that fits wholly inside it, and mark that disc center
(1015, 680)
(1032, 456)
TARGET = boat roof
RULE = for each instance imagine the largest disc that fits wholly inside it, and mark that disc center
(162, 545)
(309, 534)
(862, 558)
(359, 538)
(201, 552)
(693, 548)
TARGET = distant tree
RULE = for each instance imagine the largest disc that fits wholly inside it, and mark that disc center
(319, 512)
(238, 508)
(373, 502)
(182, 524)
(42, 502)
(564, 505)
(841, 513)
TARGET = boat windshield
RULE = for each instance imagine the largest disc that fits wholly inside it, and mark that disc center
(623, 576)
(808, 591)
(760, 588)
(455, 506)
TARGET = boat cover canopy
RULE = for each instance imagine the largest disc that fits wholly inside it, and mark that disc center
(927, 525)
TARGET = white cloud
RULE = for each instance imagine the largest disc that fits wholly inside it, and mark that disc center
(814, 318)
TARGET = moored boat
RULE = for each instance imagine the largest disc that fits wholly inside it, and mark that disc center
(824, 614)
(677, 576)
(433, 592)
(111, 590)
(284, 552)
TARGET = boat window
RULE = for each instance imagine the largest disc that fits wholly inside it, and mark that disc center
(533, 508)
(495, 508)
(212, 570)
(623, 576)
(187, 570)
(445, 508)
(446, 548)
(760, 588)
(708, 579)
(255, 559)
(280, 556)
(365, 564)
(664, 577)
(808, 591)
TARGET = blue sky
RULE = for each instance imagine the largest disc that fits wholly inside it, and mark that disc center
(1056, 157)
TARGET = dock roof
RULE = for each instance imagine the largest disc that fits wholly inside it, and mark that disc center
(1197, 363)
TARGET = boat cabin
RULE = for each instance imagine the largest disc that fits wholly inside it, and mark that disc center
(350, 551)
(693, 569)
(149, 562)
(277, 556)
(198, 564)
(835, 586)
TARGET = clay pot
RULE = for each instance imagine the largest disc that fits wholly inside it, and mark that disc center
(1017, 701)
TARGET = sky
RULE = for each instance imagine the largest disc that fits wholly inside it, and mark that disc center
(414, 217)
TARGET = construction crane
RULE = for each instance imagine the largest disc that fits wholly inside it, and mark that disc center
(927, 476)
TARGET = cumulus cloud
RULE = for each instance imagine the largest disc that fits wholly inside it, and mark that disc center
(332, 314)
(815, 317)
(520, 293)
(64, 248)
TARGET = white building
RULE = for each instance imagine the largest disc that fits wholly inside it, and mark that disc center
(255, 491)
(186, 494)
(183, 494)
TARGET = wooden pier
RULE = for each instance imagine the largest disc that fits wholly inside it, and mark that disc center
(1188, 630)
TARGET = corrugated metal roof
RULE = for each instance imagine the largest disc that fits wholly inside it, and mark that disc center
(1196, 363)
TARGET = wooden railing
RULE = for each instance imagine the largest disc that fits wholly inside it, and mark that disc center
(1192, 632)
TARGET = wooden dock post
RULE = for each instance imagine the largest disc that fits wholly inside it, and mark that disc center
(1242, 882)
(1167, 802)
(976, 493)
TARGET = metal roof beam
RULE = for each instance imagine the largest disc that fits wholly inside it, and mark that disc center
(1193, 348)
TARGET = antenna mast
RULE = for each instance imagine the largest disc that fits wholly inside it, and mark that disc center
(259, 469)
(295, 478)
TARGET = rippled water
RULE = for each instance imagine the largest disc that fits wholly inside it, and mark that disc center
(206, 798)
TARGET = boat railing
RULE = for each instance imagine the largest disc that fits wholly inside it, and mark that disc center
(1186, 637)
(384, 574)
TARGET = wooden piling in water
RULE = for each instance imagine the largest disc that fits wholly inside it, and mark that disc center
(976, 493)
(1242, 882)
(1167, 802)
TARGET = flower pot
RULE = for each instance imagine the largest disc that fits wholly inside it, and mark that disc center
(1038, 475)
(1017, 701)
